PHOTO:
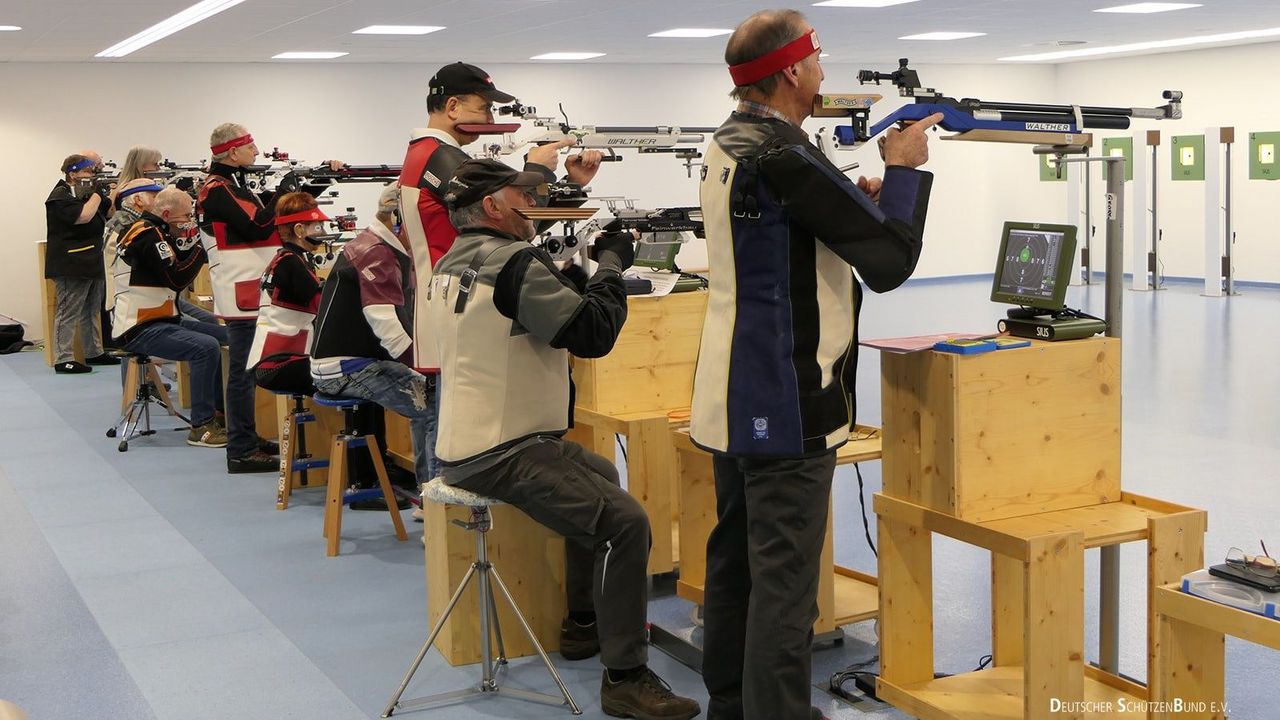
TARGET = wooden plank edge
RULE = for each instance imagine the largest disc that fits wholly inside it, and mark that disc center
(962, 530)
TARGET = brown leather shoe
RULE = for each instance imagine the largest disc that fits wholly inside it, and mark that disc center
(644, 696)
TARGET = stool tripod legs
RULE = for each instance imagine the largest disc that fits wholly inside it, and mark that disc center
(483, 571)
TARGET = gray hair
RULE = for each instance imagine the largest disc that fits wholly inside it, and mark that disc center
(223, 133)
(138, 156)
(759, 35)
(469, 215)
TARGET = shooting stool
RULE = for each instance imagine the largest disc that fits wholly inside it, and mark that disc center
(441, 492)
(337, 495)
(294, 458)
(143, 387)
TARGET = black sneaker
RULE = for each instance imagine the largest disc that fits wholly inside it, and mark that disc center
(257, 462)
(644, 696)
(270, 447)
(71, 367)
(578, 642)
(103, 359)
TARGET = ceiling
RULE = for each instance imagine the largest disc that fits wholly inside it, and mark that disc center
(502, 31)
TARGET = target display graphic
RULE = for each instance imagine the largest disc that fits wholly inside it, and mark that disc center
(1034, 263)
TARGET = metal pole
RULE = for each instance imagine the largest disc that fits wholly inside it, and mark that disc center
(1155, 217)
(1087, 263)
(1109, 582)
(1228, 267)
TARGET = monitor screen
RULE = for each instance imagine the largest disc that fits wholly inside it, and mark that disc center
(1034, 265)
(656, 255)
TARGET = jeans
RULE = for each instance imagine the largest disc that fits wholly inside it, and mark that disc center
(242, 430)
(78, 306)
(395, 386)
(191, 341)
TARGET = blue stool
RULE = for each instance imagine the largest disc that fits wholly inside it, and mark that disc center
(337, 496)
(294, 458)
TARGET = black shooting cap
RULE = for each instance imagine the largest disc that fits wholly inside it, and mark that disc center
(474, 179)
(463, 79)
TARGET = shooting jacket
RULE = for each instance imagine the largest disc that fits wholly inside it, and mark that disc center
(240, 239)
(157, 269)
(73, 251)
(777, 363)
(504, 347)
(287, 306)
(370, 287)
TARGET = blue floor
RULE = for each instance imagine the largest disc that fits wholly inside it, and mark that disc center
(151, 585)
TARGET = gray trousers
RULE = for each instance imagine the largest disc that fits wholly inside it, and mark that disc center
(762, 585)
(79, 306)
(577, 494)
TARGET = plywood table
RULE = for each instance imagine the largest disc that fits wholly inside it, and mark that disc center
(1017, 452)
(632, 392)
(1190, 676)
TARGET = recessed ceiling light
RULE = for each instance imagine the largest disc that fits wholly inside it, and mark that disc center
(691, 33)
(9, 28)
(822, 55)
(163, 29)
(307, 55)
(567, 56)
(861, 3)
(1153, 45)
(942, 36)
(397, 30)
(1148, 7)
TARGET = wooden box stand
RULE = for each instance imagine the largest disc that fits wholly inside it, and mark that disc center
(648, 374)
(528, 556)
(1017, 452)
(845, 596)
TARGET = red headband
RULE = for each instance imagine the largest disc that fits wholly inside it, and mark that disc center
(312, 215)
(753, 71)
(232, 144)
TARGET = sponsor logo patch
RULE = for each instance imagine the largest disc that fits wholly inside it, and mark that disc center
(760, 428)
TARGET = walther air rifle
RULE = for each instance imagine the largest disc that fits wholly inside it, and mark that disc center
(184, 176)
(657, 139)
(666, 226)
(1057, 126)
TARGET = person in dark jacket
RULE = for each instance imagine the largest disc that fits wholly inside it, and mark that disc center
(505, 321)
(163, 256)
(773, 390)
(76, 213)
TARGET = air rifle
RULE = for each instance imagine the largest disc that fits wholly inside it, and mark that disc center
(1059, 126)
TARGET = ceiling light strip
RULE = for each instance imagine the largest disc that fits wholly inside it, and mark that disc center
(163, 29)
(1143, 46)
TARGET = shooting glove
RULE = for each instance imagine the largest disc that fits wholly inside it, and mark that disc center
(289, 183)
(616, 249)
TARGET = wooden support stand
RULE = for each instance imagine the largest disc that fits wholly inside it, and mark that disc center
(648, 374)
(1190, 664)
(845, 596)
(48, 306)
(1016, 452)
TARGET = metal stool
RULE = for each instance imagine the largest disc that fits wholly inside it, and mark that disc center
(441, 492)
(142, 388)
(337, 496)
(294, 458)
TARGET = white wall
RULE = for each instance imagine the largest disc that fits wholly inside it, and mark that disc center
(362, 113)
(1223, 87)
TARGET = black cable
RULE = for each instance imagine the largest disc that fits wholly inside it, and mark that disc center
(621, 447)
(862, 501)
(983, 662)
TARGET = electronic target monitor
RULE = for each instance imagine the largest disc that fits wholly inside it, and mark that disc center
(1034, 265)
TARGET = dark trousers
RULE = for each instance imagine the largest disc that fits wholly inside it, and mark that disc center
(242, 430)
(577, 494)
(762, 585)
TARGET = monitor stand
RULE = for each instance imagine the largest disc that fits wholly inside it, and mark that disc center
(1063, 324)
